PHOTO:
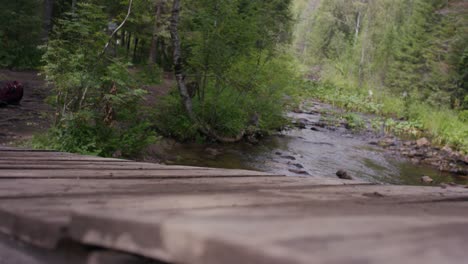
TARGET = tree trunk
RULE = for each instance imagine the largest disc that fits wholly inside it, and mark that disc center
(47, 21)
(358, 27)
(156, 31)
(180, 78)
(165, 56)
(116, 43)
(363, 55)
(73, 7)
(178, 68)
(122, 38)
(135, 48)
(129, 39)
(141, 51)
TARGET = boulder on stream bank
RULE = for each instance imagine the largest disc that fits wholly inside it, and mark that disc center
(342, 174)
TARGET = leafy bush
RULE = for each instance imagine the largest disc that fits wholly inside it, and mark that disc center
(97, 103)
(403, 128)
(171, 119)
(256, 108)
(354, 121)
(237, 69)
(463, 116)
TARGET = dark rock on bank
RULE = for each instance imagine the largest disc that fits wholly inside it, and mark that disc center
(342, 174)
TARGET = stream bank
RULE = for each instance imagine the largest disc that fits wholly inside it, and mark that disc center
(318, 144)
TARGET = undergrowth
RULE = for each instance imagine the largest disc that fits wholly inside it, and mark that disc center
(404, 116)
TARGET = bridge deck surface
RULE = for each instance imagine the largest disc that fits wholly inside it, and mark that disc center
(180, 214)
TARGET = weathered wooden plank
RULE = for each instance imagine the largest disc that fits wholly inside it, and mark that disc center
(198, 215)
(123, 174)
(6, 148)
(94, 166)
(34, 188)
(49, 155)
(323, 232)
(112, 257)
(21, 154)
(42, 221)
(16, 252)
(58, 159)
(7, 162)
(15, 149)
(40, 226)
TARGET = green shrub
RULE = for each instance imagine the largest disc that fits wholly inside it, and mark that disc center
(171, 119)
(354, 121)
(463, 116)
(97, 100)
(231, 108)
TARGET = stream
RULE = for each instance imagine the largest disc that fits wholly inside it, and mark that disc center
(308, 149)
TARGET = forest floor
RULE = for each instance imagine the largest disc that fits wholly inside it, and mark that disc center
(18, 123)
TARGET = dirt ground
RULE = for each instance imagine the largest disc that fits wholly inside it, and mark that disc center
(20, 122)
(33, 115)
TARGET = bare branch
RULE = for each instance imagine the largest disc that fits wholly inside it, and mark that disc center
(119, 27)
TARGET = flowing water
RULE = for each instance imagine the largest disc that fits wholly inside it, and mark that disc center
(316, 152)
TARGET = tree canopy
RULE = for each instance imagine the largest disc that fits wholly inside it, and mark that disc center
(229, 70)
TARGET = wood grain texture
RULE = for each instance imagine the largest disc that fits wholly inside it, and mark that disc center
(198, 215)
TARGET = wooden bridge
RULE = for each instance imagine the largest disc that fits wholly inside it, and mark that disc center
(65, 208)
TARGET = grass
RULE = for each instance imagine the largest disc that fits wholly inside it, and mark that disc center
(443, 126)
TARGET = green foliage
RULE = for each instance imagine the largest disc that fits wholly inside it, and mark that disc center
(443, 125)
(348, 98)
(234, 51)
(97, 104)
(354, 121)
(171, 119)
(463, 115)
(413, 46)
(20, 27)
(404, 59)
(403, 128)
(149, 74)
(231, 111)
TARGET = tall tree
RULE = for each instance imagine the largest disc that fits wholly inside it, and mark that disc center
(159, 5)
(47, 20)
